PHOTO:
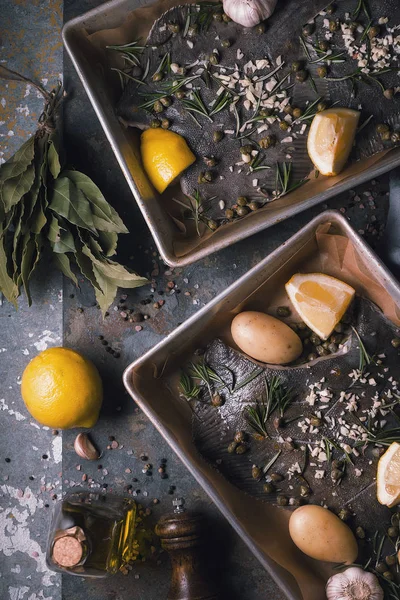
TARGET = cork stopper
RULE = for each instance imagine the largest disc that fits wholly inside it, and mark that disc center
(68, 547)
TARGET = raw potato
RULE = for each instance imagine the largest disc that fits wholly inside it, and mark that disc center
(322, 535)
(265, 338)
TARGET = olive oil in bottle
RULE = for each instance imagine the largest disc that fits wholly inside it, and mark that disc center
(92, 535)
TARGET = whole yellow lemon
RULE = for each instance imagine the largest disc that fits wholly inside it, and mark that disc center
(62, 389)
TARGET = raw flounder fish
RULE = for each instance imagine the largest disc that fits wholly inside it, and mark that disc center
(250, 55)
(329, 388)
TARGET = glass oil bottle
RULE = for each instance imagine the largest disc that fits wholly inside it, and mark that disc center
(92, 535)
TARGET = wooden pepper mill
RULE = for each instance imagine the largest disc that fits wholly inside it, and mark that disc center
(182, 536)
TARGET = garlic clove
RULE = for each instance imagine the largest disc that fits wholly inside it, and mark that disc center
(84, 447)
(249, 12)
(354, 584)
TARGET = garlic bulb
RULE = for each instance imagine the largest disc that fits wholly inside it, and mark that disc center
(354, 584)
(249, 12)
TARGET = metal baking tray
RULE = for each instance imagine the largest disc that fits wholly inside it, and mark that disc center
(146, 379)
(89, 63)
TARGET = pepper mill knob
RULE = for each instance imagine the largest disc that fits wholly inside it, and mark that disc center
(182, 536)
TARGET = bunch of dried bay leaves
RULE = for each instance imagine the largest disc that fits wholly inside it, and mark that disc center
(46, 207)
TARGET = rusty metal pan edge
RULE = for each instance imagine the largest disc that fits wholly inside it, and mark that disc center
(109, 124)
(377, 267)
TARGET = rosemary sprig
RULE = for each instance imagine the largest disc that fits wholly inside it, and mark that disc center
(123, 75)
(171, 87)
(165, 64)
(361, 6)
(283, 395)
(365, 358)
(256, 165)
(305, 49)
(129, 52)
(309, 113)
(271, 462)
(187, 25)
(282, 180)
(248, 379)
(205, 14)
(196, 105)
(276, 397)
(151, 98)
(364, 124)
(196, 208)
(325, 57)
(223, 100)
(206, 375)
(190, 390)
(332, 445)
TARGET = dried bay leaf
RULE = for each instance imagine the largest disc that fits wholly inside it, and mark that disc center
(63, 263)
(69, 202)
(86, 268)
(53, 160)
(108, 290)
(115, 272)
(19, 162)
(29, 260)
(65, 243)
(14, 188)
(7, 285)
(108, 242)
(105, 217)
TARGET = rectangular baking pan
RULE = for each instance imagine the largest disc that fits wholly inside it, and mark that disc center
(172, 416)
(93, 74)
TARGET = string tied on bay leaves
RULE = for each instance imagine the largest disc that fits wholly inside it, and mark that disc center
(45, 207)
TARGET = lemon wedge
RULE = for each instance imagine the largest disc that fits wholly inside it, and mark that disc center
(388, 476)
(320, 300)
(330, 139)
(165, 155)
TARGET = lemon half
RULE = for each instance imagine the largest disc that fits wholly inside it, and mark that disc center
(331, 138)
(165, 155)
(388, 477)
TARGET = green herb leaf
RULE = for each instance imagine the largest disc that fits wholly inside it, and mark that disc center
(7, 285)
(69, 202)
(19, 162)
(117, 273)
(108, 242)
(29, 260)
(105, 218)
(63, 263)
(14, 188)
(53, 160)
(86, 268)
(108, 290)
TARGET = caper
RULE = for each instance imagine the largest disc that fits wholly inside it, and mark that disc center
(312, 356)
(301, 76)
(260, 28)
(264, 112)
(267, 142)
(166, 101)
(218, 136)
(381, 567)
(229, 213)
(315, 421)
(297, 112)
(209, 161)
(395, 342)
(297, 66)
(288, 109)
(344, 514)
(282, 501)
(322, 72)
(158, 107)
(395, 137)
(165, 123)
(336, 338)
(353, 26)
(315, 339)
(284, 125)
(268, 488)
(276, 477)
(253, 206)
(377, 452)
(373, 31)
(308, 28)
(382, 128)
(360, 533)
(180, 94)
(332, 348)
(321, 106)
(157, 76)
(334, 25)
(208, 176)
(232, 447)
(240, 436)
(336, 474)
(394, 520)
(192, 31)
(247, 149)
(331, 8)
(323, 45)
(283, 311)
(213, 58)
(226, 19)
(388, 575)
(391, 560)
(393, 532)
(386, 136)
(304, 491)
(294, 502)
(242, 211)
(217, 17)
(242, 201)
(321, 351)
(388, 93)
(225, 44)
(241, 448)
(256, 472)
(174, 27)
(216, 400)
(154, 123)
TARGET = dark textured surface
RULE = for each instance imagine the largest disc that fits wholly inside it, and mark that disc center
(23, 573)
